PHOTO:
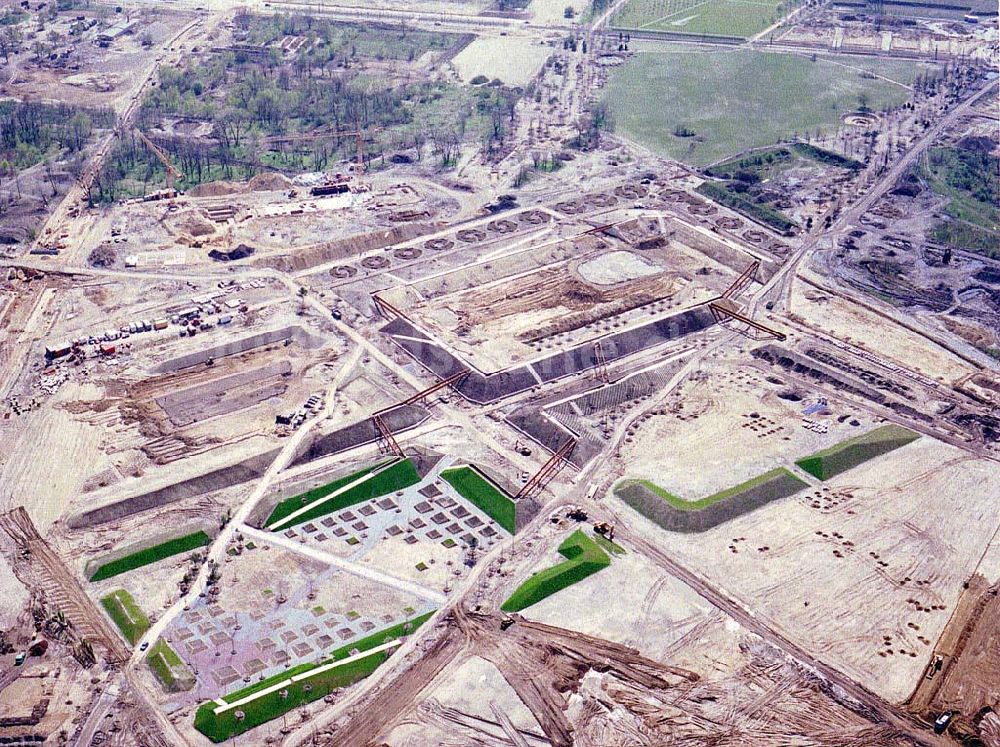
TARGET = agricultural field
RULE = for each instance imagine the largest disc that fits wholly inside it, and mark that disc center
(734, 18)
(584, 557)
(723, 103)
(127, 615)
(149, 555)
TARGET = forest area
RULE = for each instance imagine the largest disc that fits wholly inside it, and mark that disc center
(33, 133)
(276, 97)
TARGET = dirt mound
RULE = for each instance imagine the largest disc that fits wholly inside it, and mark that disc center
(269, 181)
(240, 252)
(191, 222)
(216, 189)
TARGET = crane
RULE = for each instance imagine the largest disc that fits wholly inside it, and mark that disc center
(358, 135)
(172, 171)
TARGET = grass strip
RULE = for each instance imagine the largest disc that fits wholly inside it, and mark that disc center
(584, 557)
(855, 451)
(472, 485)
(291, 505)
(225, 725)
(396, 476)
(125, 613)
(152, 554)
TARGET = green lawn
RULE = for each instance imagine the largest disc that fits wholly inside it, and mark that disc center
(684, 505)
(391, 478)
(172, 673)
(125, 613)
(584, 557)
(854, 451)
(733, 100)
(152, 554)
(483, 494)
(739, 18)
(223, 726)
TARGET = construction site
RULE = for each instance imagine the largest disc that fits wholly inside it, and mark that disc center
(389, 376)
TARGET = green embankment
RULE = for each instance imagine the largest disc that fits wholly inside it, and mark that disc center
(584, 558)
(850, 453)
(152, 554)
(396, 476)
(125, 613)
(701, 503)
(269, 706)
(476, 489)
(172, 673)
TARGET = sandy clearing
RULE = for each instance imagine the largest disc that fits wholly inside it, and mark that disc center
(514, 61)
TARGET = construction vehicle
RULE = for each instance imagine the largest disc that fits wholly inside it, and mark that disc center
(605, 529)
(172, 171)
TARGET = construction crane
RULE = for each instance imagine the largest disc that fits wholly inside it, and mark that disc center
(172, 171)
(725, 308)
(358, 135)
(383, 433)
(550, 469)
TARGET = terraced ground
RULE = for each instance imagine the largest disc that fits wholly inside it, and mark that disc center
(298, 688)
(678, 515)
(153, 554)
(584, 557)
(850, 453)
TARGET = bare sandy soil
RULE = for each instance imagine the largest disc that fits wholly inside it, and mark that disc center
(733, 426)
(850, 322)
(871, 563)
